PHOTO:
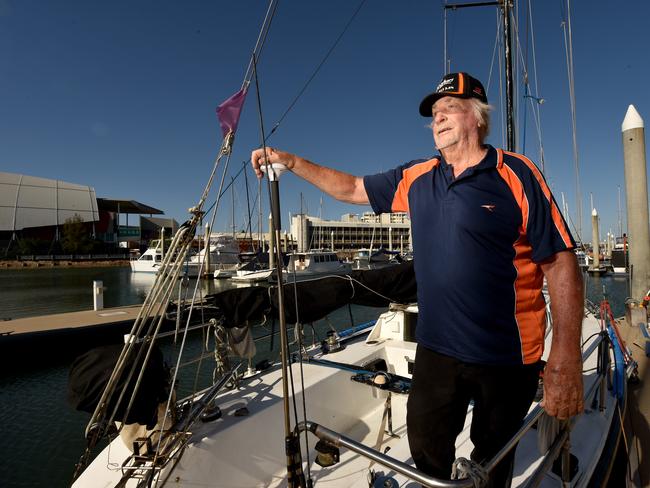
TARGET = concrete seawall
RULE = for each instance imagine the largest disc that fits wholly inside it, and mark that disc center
(16, 264)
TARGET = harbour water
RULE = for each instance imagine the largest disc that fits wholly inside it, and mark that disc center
(41, 436)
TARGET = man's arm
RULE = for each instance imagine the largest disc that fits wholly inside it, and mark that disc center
(342, 186)
(563, 395)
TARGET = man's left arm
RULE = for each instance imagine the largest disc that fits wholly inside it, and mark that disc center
(563, 386)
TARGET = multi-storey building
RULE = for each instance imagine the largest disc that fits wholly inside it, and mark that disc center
(353, 231)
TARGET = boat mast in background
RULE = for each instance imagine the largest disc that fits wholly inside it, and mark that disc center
(506, 9)
(568, 42)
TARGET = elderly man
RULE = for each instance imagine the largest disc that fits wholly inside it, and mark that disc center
(486, 231)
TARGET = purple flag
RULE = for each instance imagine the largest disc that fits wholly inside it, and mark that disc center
(230, 110)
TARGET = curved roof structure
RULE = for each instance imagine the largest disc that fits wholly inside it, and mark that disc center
(28, 201)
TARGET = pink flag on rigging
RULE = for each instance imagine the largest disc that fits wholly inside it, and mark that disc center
(230, 110)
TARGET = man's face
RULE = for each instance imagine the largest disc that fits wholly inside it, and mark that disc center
(453, 121)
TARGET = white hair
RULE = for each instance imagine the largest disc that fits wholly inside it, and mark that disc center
(482, 113)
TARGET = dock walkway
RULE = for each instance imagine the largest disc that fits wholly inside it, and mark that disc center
(64, 335)
(68, 320)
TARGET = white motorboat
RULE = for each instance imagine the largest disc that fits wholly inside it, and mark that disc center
(369, 259)
(313, 264)
(620, 256)
(150, 260)
(222, 261)
(252, 276)
(224, 256)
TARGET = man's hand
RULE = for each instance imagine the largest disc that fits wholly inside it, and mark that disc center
(342, 186)
(563, 396)
(563, 386)
(258, 159)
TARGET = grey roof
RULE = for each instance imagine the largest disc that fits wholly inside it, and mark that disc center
(28, 201)
(126, 206)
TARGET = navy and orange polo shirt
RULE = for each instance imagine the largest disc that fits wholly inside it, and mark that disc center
(477, 241)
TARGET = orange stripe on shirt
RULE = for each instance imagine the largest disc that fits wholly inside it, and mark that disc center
(530, 308)
(517, 189)
(555, 212)
(409, 175)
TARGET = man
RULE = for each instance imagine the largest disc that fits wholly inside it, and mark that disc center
(486, 231)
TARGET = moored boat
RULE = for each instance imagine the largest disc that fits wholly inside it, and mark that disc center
(354, 389)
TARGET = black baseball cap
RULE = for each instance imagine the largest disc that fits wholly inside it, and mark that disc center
(459, 85)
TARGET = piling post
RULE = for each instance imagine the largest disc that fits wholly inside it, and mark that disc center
(595, 242)
(98, 295)
(637, 202)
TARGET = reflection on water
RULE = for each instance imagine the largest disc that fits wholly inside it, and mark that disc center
(44, 291)
(614, 287)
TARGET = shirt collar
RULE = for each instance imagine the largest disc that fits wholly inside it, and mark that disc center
(491, 160)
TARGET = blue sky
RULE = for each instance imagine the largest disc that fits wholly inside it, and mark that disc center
(121, 95)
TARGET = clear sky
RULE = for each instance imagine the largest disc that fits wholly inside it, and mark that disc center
(121, 95)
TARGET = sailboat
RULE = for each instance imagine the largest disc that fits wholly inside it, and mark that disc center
(332, 413)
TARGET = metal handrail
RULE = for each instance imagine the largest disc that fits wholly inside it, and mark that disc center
(533, 416)
(340, 440)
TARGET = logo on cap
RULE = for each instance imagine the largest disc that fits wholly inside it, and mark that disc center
(443, 83)
(456, 85)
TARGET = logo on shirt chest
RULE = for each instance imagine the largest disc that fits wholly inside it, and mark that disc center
(489, 207)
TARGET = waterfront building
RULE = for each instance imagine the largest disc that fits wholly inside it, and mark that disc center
(37, 209)
(353, 231)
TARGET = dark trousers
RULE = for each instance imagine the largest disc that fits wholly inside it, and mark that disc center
(441, 390)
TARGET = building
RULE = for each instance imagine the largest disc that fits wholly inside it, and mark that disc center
(353, 231)
(37, 209)
(110, 230)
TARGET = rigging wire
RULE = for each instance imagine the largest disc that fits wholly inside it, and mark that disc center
(494, 53)
(315, 72)
(156, 300)
(534, 100)
(568, 48)
(261, 40)
(536, 108)
(304, 87)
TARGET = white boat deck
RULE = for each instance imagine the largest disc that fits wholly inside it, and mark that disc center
(248, 451)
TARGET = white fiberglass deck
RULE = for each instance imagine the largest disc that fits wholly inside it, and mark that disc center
(248, 451)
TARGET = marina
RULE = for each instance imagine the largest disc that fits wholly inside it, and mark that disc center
(47, 420)
(286, 358)
(46, 383)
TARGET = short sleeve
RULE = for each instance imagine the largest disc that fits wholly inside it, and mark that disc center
(546, 230)
(382, 187)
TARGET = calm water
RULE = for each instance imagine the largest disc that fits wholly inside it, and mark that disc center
(41, 437)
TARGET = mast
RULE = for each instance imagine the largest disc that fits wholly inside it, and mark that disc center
(295, 476)
(506, 9)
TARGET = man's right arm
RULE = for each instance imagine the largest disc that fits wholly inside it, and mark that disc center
(342, 186)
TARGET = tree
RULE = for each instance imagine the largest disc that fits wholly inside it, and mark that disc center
(75, 236)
